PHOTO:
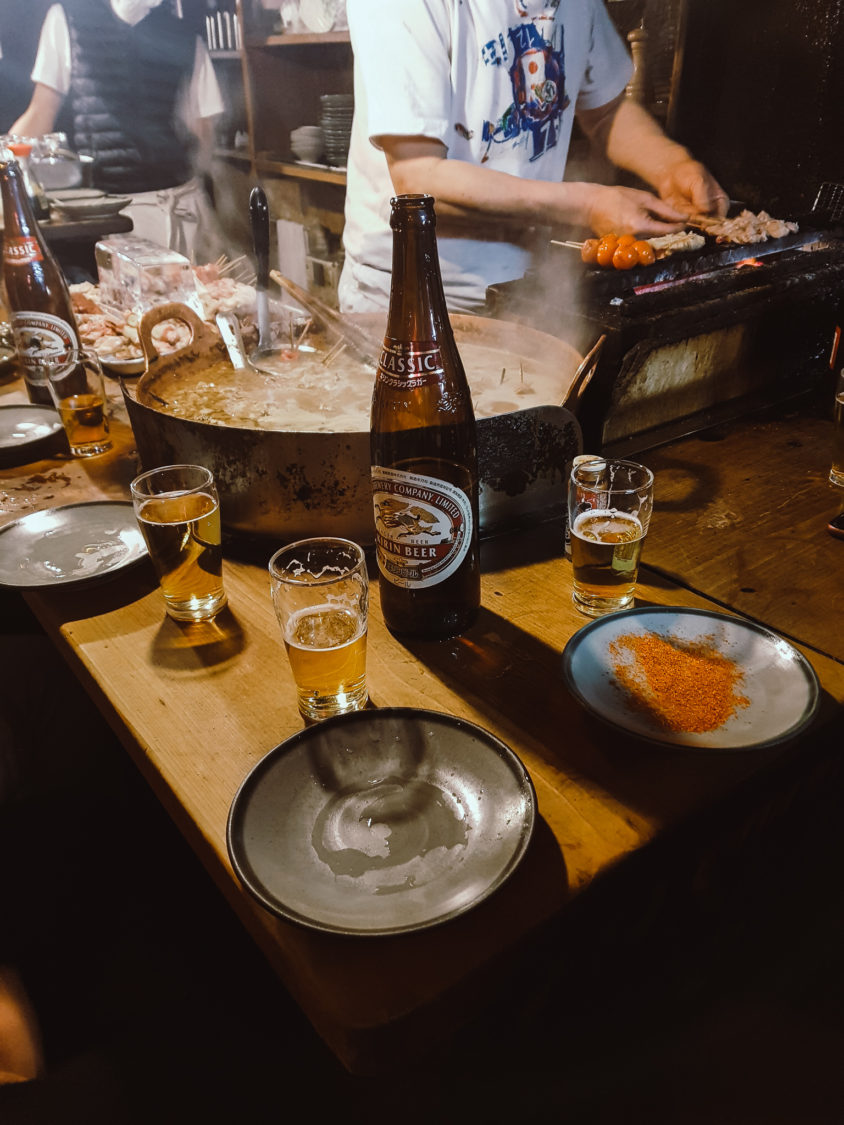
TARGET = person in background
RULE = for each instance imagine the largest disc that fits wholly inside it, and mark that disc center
(476, 107)
(142, 98)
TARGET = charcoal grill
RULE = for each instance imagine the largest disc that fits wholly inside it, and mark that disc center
(698, 338)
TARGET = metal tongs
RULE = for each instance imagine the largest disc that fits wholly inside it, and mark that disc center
(365, 347)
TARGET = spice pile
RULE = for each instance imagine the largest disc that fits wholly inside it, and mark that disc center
(681, 685)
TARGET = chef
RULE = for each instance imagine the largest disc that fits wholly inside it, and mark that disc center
(143, 98)
(473, 102)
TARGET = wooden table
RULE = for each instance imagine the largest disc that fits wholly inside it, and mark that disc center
(198, 706)
(741, 516)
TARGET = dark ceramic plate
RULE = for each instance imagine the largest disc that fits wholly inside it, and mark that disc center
(26, 432)
(68, 545)
(381, 822)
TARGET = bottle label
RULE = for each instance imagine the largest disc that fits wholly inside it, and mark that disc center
(415, 363)
(39, 332)
(21, 251)
(423, 527)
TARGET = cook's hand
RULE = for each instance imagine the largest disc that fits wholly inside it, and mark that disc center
(691, 188)
(622, 210)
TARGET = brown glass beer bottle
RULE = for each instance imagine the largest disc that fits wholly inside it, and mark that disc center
(424, 448)
(39, 301)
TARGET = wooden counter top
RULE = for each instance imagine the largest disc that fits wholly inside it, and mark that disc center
(198, 706)
(740, 515)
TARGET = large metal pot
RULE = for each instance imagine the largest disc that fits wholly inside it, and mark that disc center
(286, 485)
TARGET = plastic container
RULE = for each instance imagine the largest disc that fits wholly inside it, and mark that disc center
(135, 274)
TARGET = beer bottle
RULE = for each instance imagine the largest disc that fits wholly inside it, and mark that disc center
(423, 445)
(39, 301)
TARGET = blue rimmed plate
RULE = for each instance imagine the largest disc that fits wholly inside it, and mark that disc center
(776, 690)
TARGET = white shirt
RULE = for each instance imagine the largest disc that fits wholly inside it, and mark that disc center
(200, 98)
(498, 83)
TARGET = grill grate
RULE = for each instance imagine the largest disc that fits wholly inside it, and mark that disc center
(830, 200)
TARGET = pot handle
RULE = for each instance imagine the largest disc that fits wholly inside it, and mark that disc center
(202, 334)
(582, 377)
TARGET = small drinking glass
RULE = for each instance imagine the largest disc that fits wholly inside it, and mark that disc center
(76, 384)
(320, 591)
(178, 510)
(610, 506)
(836, 471)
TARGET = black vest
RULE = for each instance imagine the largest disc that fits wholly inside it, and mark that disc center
(124, 86)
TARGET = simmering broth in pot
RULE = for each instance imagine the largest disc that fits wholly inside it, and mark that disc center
(311, 394)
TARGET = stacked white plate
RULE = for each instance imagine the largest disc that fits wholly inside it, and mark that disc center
(336, 122)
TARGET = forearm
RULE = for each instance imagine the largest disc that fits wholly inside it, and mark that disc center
(475, 193)
(635, 142)
(40, 115)
(480, 201)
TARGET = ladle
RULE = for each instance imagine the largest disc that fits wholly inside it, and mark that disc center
(266, 355)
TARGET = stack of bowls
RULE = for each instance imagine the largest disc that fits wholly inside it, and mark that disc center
(336, 122)
(308, 143)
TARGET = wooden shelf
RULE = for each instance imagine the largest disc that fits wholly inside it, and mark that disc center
(300, 39)
(325, 175)
(236, 154)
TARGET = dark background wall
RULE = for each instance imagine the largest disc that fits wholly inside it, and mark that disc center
(760, 97)
(20, 26)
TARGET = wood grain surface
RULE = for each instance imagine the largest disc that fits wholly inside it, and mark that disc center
(197, 706)
(740, 515)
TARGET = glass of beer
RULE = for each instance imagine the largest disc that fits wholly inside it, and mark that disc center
(75, 380)
(320, 591)
(836, 472)
(178, 511)
(610, 505)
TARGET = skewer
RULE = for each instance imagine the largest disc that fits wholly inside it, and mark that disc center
(333, 352)
(309, 323)
(229, 265)
(573, 245)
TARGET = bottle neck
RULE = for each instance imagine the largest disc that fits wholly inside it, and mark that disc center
(18, 217)
(417, 301)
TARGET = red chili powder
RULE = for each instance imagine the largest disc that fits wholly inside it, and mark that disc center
(682, 685)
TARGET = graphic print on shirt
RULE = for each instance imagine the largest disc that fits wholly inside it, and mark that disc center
(537, 75)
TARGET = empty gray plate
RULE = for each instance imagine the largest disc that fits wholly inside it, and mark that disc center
(381, 822)
(75, 543)
(23, 426)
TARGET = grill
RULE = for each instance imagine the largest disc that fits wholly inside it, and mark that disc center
(696, 339)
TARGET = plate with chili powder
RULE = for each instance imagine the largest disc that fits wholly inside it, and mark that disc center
(690, 678)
